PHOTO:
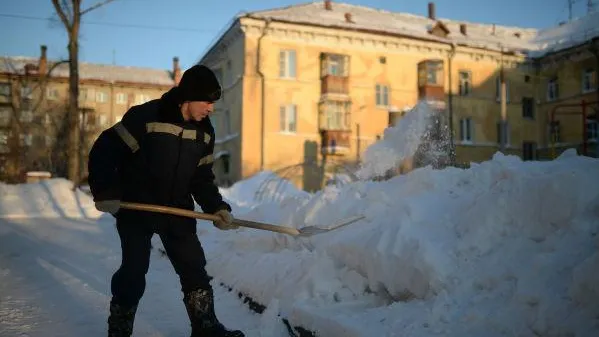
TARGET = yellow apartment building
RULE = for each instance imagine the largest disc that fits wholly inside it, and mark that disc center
(324, 79)
(33, 105)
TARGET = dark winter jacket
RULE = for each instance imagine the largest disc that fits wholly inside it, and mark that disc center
(154, 156)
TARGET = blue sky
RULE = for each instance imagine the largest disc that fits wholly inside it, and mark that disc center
(148, 33)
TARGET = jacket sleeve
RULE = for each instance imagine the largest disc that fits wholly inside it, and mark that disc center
(109, 152)
(204, 190)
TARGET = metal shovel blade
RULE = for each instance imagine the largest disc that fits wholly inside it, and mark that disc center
(313, 230)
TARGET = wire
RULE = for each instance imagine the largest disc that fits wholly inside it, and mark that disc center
(111, 24)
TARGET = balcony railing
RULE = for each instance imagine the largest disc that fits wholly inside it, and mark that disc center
(331, 84)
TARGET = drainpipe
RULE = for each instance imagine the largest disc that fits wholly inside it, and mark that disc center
(452, 153)
(262, 92)
(595, 50)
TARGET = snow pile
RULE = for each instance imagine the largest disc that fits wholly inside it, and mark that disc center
(503, 248)
(264, 185)
(402, 141)
(48, 198)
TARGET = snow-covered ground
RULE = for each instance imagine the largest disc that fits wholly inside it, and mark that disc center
(504, 248)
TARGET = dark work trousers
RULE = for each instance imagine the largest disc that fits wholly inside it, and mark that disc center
(180, 242)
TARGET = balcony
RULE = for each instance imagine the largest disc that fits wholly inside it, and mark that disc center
(331, 84)
(335, 142)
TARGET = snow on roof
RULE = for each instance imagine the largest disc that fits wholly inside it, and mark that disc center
(487, 36)
(91, 71)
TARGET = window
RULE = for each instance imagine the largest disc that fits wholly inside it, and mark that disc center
(382, 95)
(589, 80)
(528, 108)
(141, 98)
(3, 138)
(500, 134)
(86, 95)
(51, 93)
(5, 89)
(287, 64)
(101, 97)
(26, 92)
(103, 120)
(26, 139)
(552, 89)
(26, 116)
(529, 151)
(430, 73)
(498, 90)
(466, 130)
(335, 115)
(121, 98)
(592, 130)
(5, 114)
(226, 163)
(465, 82)
(288, 117)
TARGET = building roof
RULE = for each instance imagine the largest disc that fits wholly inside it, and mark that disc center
(91, 71)
(488, 36)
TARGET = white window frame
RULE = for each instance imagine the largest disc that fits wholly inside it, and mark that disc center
(467, 130)
(464, 84)
(26, 139)
(508, 133)
(5, 89)
(588, 80)
(121, 98)
(498, 89)
(592, 130)
(288, 118)
(5, 115)
(51, 94)
(382, 96)
(101, 97)
(552, 89)
(287, 63)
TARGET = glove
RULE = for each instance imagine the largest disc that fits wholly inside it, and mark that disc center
(108, 206)
(226, 221)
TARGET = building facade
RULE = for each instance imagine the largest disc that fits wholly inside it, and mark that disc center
(33, 104)
(324, 79)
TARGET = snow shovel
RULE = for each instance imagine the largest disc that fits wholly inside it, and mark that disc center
(306, 231)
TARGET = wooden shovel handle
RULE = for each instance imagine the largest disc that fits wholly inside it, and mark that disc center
(209, 217)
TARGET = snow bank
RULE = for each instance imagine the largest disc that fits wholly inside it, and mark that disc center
(265, 185)
(503, 248)
(49, 198)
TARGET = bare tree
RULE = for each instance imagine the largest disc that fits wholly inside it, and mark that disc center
(28, 113)
(70, 13)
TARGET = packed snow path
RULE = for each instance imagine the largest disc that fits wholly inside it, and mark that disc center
(55, 281)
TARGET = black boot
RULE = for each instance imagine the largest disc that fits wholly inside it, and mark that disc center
(200, 308)
(120, 321)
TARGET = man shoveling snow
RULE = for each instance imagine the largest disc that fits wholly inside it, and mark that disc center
(162, 153)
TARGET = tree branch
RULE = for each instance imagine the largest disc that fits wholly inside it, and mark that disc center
(62, 15)
(98, 5)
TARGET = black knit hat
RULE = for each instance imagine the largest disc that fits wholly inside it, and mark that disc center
(199, 83)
